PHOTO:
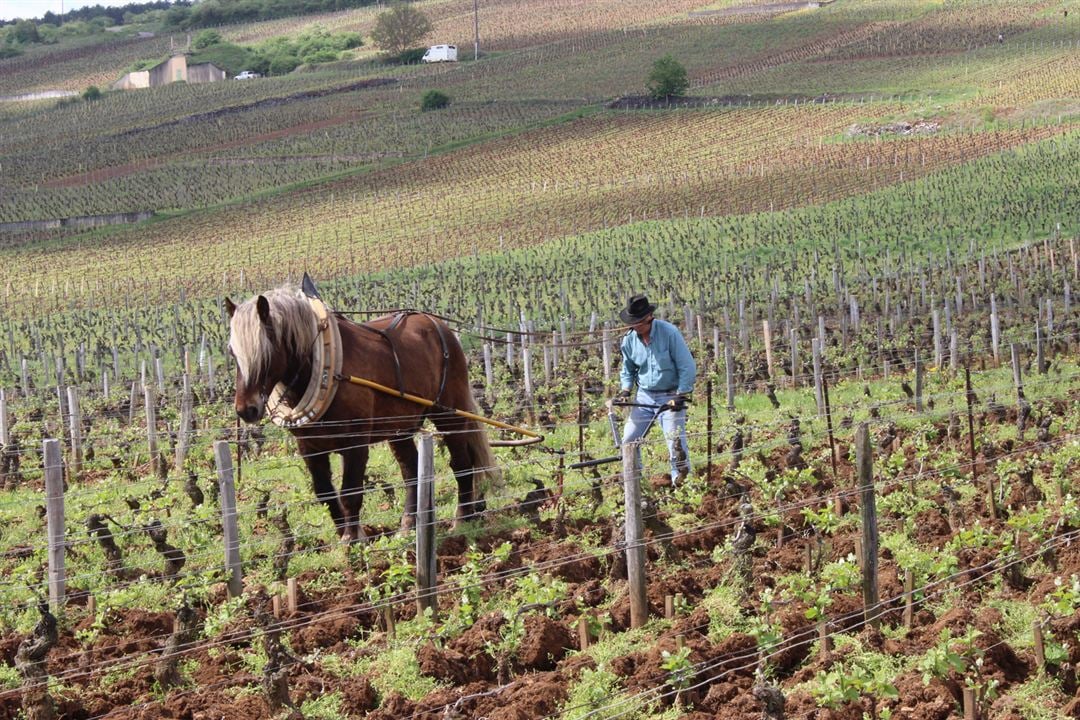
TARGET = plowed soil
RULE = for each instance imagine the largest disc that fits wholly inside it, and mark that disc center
(535, 680)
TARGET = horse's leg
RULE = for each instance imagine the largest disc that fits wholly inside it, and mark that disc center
(461, 460)
(404, 450)
(354, 467)
(318, 464)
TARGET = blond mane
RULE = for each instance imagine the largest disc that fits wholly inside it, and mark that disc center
(294, 323)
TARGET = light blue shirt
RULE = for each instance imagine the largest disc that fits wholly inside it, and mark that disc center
(664, 364)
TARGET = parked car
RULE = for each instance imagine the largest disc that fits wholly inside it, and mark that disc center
(441, 53)
(247, 75)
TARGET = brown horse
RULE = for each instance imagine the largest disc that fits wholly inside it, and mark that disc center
(272, 337)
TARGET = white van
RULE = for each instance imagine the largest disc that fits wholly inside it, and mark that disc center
(441, 53)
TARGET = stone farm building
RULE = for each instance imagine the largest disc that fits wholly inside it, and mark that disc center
(168, 71)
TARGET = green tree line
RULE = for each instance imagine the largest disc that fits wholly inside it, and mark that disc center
(276, 56)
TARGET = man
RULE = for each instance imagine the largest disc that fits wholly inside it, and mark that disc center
(657, 360)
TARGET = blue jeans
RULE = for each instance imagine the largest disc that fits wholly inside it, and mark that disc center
(673, 424)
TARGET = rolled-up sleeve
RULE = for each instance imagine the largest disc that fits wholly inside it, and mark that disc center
(684, 363)
(628, 375)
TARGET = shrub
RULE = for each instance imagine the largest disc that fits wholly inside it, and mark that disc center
(667, 79)
(410, 56)
(91, 93)
(322, 55)
(283, 64)
(434, 100)
(206, 39)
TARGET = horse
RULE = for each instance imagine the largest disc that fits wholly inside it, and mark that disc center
(273, 338)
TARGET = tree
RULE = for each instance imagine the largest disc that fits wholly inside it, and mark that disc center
(667, 79)
(25, 32)
(399, 28)
(91, 93)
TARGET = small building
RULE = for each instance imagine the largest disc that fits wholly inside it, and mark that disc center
(133, 81)
(175, 69)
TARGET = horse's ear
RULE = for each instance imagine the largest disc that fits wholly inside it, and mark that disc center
(263, 306)
(230, 307)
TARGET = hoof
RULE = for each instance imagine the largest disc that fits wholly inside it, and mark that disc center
(354, 535)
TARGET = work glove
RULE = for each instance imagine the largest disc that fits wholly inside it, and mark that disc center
(622, 395)
(678, 403)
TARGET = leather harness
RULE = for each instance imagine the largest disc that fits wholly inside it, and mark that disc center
(326, 360)
(386, 335)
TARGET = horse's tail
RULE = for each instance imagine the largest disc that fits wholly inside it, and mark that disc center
(486, 472)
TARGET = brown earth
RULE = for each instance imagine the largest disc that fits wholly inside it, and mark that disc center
(113, 675)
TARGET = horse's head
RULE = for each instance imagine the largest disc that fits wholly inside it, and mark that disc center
(264, 336)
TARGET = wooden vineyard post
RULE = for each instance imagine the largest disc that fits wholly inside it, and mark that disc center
(151, 425)
(526, 364)
(729, 363)
(954, 351)
(115, 361)
(54, 517)
(1039, 646)
(991, 504)
(766, 332)
(5, 420)
(227, 496)
(918, 382)
(489, 370)
(62, 406)
(583, 633)
(210, 377)
(815, 350)
(995, 329)
(832, 440)
(605, 353)
(824, 640)
(1040, 352)
(183, 433)
(939, 355)
(133, 400)
(75, 428)
(708, 429)
(796, 367)
(581, 422)
(1018, 379)
(971, 705)
(426, 597)
(864, 462)
(634, 534)
(292, 595)
(909, 598)
(24, 378)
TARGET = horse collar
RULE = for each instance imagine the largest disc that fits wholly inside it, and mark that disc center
(325, 364)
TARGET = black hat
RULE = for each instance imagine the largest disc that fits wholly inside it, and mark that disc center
(636, 310)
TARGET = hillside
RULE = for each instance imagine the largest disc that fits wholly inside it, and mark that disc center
(863, 216)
